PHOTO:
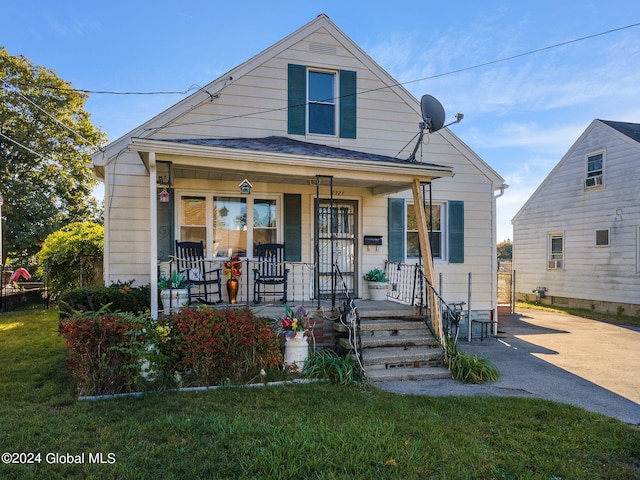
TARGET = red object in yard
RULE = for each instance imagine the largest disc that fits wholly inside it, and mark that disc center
(20, 273)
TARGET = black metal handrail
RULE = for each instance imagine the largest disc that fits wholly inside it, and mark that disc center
(350, 319)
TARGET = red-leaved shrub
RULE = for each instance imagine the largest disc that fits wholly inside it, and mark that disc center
(103, 351)
(220, 345)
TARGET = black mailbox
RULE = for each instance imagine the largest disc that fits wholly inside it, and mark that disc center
(373, 239)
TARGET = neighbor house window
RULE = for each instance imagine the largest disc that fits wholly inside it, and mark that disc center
(229, 224)
(434, 227)
(556, 251)
(595, 170)
(602, 238)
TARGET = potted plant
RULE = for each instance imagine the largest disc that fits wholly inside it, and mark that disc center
(295, 325)
(378, 284)
(174, 291)
(233, 269)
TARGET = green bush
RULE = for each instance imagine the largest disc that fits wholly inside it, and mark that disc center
(119, 297)
(72, 257)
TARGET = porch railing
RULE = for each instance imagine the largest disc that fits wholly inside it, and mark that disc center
(350, 319)
(409, 285)
(301, 281)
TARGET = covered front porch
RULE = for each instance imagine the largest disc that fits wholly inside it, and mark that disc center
(331, 186)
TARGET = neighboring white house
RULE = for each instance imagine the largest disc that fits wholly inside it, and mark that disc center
(577, 238)
(315, 126)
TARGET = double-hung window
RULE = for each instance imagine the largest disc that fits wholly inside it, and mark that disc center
(595, 170)
(556, 251)
(321, 101)
(434, 227)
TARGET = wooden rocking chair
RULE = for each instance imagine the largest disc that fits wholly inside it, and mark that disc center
(206, 284)
(270, 272)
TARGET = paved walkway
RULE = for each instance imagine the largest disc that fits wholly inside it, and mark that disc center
(589, 364)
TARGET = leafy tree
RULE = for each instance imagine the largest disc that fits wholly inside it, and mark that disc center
(46, 138)
(505, 250)
(72, 257)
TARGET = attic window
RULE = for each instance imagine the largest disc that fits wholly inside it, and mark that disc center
(595, 170)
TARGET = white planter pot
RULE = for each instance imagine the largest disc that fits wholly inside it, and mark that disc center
(173, 300)
(378, 291)
(296, 351)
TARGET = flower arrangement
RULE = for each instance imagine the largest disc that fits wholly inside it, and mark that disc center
(294, 321)
(233, 266)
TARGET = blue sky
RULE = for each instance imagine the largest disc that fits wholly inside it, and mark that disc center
(521, 115)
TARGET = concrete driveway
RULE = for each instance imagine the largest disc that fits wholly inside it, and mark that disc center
(586, 363)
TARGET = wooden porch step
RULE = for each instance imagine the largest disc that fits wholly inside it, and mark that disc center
(406, 374)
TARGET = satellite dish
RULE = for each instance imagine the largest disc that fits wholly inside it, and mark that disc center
(432, 113)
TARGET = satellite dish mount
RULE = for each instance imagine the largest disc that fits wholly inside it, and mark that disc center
(433, 117)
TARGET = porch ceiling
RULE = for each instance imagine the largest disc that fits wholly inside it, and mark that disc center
(283, 160)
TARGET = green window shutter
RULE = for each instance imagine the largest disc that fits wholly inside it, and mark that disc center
(456, 231)
(297, 99)
(397, 230)
(293, 227)
(347, 104)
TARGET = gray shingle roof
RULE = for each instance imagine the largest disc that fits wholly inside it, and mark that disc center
(631, 130)
(290, 146)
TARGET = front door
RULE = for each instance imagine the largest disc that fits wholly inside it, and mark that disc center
(336, 236)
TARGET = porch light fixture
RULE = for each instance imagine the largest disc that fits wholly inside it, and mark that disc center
(245, 187)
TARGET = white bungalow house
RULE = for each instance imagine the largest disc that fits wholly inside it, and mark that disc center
(577, 238)
(321, 136)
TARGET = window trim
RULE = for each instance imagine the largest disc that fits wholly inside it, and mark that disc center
(550, 259)
(209, 233)
(592, 182)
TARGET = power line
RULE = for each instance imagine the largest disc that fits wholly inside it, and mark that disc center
(23, 146)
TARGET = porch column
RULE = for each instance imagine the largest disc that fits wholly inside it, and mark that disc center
(153, 235)
(427, 260)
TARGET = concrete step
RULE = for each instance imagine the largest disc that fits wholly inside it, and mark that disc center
(406, 374)
(393, 323)
(387, 357)
(391, 341)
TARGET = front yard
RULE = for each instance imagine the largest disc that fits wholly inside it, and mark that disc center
(297, 431)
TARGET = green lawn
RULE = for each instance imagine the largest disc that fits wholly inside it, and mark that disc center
(304, 431)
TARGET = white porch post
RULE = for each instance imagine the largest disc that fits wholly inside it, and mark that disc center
(153, 235)
(427, 260)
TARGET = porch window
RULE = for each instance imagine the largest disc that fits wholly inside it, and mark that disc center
(193, 212)
(556, 251)
(229, 224)
(435, 232)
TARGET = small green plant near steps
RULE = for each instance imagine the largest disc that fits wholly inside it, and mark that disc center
(328, 364)
(469, 368)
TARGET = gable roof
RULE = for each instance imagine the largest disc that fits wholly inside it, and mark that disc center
(631, 130)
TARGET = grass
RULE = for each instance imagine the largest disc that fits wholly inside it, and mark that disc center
(297, 431)
(619, 318)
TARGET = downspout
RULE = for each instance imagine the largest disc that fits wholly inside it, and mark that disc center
(494, 262)
(153, 235)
